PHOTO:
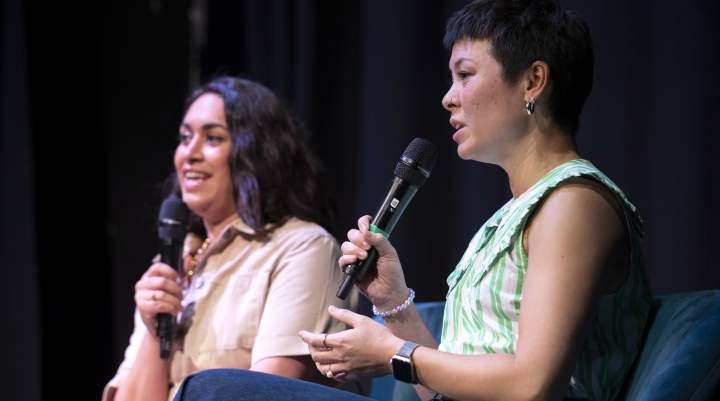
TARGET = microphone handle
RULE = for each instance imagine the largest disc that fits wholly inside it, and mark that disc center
(170, 254)
(164, 333)
(356, 272)
(398, 197)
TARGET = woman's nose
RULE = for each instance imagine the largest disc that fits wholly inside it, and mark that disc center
(193, 150)
(449, 101)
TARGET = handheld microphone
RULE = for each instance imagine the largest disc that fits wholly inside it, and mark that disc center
(171, 227)
(411, 171)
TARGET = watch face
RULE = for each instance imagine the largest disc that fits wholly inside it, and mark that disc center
(402, 369)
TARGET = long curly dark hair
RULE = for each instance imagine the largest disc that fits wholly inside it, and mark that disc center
(276, 175)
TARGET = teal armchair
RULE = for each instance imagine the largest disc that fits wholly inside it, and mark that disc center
(679, 361)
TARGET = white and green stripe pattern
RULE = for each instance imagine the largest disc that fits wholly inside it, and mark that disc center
(485, 292)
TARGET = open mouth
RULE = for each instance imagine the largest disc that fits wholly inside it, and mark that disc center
(192, 179)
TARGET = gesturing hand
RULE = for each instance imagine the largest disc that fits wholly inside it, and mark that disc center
(365, 349)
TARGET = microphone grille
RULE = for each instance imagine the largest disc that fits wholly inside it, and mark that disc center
(173, 209)
(417, 161)
(422, 152)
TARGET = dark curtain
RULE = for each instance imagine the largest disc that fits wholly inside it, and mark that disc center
(20, 296)
(91, 106)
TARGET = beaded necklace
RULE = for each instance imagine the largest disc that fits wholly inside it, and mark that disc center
(195, 257)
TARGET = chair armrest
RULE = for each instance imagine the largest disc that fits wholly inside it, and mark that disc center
(680, 359)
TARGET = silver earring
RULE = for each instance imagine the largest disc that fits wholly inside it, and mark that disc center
(530, 107)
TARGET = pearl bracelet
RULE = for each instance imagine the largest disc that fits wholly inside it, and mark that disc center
(397, 309)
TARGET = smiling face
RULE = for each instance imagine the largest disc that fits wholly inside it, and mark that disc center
(486, 111)
(202, 159)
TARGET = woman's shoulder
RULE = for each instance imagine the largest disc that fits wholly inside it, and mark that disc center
(579, 214)
(586, 191)
(580, 175)
(584, 196)
(577, 182)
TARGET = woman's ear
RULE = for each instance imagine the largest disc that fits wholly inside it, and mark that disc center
(537, 78)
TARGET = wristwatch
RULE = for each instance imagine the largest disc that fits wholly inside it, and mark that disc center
(402, 364)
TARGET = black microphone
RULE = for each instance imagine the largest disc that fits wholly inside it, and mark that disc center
(172, 228)
(412, 170)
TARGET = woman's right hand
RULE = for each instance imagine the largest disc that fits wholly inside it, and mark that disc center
(157, 291)
(385, 287)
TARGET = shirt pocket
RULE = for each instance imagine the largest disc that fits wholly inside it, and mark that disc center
(228, 316)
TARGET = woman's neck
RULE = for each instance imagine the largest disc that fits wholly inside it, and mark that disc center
(215, 227)
(540, 153)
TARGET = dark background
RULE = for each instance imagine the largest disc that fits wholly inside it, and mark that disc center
(92, 96)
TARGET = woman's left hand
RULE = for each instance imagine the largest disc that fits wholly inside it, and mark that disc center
(365, 349)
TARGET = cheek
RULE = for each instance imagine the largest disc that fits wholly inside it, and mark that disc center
(477, 99)
(483, 94)
(178, 158)
(223, 167)
(227, 178)
(490, 104)
(226, 187)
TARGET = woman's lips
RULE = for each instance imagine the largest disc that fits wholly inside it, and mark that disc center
(456, 135)
(191, 183)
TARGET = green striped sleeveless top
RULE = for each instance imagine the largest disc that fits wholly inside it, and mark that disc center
(486, 289)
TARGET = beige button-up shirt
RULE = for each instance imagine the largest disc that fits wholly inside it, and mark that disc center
(249, 299)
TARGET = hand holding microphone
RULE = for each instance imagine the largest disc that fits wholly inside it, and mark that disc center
(158, 294)
(171, 232)
(411, 172)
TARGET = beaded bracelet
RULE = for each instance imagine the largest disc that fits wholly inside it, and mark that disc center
(397, 309)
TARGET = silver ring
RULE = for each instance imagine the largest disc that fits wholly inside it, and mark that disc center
(329, 374)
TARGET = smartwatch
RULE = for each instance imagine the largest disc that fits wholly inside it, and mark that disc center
(402, 365)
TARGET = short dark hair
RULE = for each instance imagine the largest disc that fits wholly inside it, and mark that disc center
(275, 173)
(524, 31)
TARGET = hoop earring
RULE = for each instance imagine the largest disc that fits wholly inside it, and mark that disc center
(530, 107)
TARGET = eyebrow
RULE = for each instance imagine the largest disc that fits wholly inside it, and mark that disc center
(458, 61)
(205, 127)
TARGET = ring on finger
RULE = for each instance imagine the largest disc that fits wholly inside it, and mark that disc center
(329, 374)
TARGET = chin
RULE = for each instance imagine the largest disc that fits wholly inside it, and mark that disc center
(195, 203)
(463, 153)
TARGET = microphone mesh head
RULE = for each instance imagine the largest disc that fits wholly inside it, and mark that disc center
(417, 162)
(423, 152)
(173, 209)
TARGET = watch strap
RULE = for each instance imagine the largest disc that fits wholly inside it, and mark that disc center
(407, 349)
(402, 364)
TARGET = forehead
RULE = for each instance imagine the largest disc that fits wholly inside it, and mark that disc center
(207, 107)
(472, 50)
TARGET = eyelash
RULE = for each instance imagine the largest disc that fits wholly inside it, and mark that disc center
(215, 139)
(184, 137)
(461, 76)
